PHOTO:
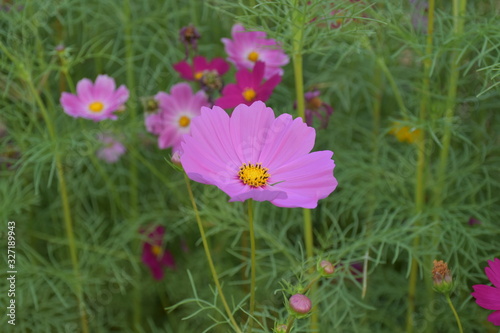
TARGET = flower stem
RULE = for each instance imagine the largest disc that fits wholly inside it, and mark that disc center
(298, 20)
(459, 324)
(253, 263)
(421, 161)
(289, 324)
(209, 257)
(68, 223)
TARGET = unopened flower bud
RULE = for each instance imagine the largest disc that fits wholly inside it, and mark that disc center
(441, 275)
(299, 305)
(176, 158)
(325, 268)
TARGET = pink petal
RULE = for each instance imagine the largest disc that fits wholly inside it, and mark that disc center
(168, 259)
(250, 130)
(72, 105)
(494, 318)
(258, 73)
(209, 155)
(493, 272)
(104, 88)
(84, 90)
(168, 138)
(200, 64)
(287, 140)
(185, 70)
(220, 65)
(267, 88)
(486, 296)
(305, 180)
(257, 194)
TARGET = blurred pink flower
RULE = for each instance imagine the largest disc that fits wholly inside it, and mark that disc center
(488, 297)
(153, 254)
(315, 107)
(95, 101)
(247, 47)
(175, 113)
(200, 65)
(254, 155)
(248, 88)
(112, 149)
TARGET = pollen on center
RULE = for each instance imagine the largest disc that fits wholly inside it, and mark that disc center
(157, 250)
(96, 106)
(184, 121)
(198, 75)
(249, 94)
(253, 175)
(253, 56)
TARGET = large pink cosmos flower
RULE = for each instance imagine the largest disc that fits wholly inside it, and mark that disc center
(95, 101)
(488, 297)
(248, 88)
(177, 110)
(200, 66)
(153, 254)
(254, 155)
(247, 47)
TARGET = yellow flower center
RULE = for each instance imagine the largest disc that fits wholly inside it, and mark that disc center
(314, 103)
(249, 94)
(253, 56)
(253, 175)
(96, 106)
(198, 75)
(157, 250)
(184, 121)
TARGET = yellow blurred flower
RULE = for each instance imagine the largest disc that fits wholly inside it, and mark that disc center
(405, 133)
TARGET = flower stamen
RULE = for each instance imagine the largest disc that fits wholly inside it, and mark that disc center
(96, 106)
(253, 175)
(157, 250)
(249, 94)
(253, 56)
(184, 121)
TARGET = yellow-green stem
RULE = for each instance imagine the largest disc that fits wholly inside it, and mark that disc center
(420, 181)
(253, 264)
(289, 324)
(459, 324)
(298, 34)
(68, 223)
(209, 257)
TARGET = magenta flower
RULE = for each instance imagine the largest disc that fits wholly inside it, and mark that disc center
(95, 101)
(248, 88)
(247, 47)
(200, 66)
(153, 254)
(177, 110)
(254, 155)
(300, 304)
(488, 297)
(111, 150)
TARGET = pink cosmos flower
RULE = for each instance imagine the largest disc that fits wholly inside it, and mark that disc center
(95, 101)
(488, 297)
(315, 107)
(112, 149)
(248, 88)
(254, 155)
(200, 65)
(247, 47)
(153, 254)
(176, 112)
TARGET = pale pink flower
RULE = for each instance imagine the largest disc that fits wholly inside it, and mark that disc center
(95, 101)
(254, 155)
(248, 47)
(176, 110)
(112, 149)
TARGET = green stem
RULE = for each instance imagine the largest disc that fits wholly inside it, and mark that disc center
(298, 35)
(421, 161)
(289, 324)
(68, 223)
(209, 257)
(459, 324)
(253, 264)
